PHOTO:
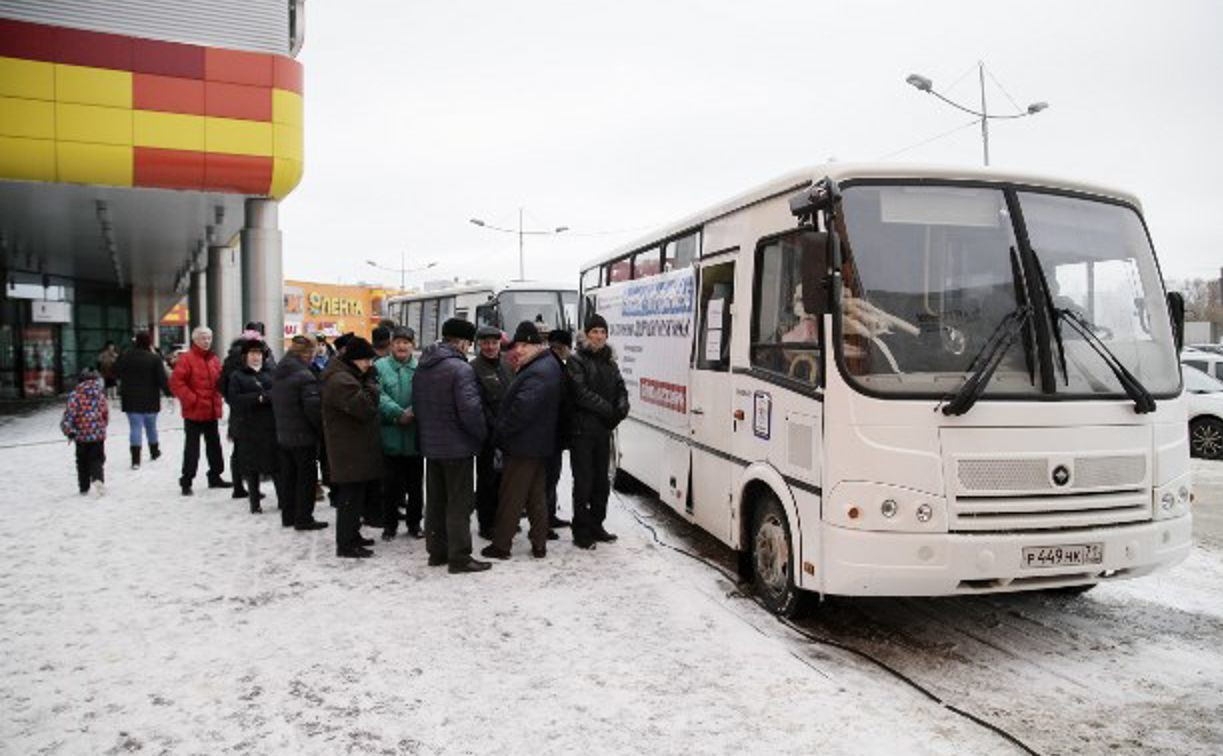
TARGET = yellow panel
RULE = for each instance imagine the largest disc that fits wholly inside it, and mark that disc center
(170, 131)
(27, 159)
(93, 86)
(94, 164)
(27, 118)
(286, 107)
(237, 137)
(288, 142)
(285, 175)
(91, 123)
(31, 79)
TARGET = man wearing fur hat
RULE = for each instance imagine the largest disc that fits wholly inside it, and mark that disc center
(600, 402)
(354, 443)
(495, 374)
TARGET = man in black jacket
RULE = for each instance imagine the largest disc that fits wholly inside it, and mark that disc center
(526, 436)
(297, 403)
(600, 402)
(452, 428)
(354, 442)
(560, 343)
(142, 382)
(494, 373)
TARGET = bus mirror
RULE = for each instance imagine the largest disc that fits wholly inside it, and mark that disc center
(1176, 312)
(814, 271)
(486, 314)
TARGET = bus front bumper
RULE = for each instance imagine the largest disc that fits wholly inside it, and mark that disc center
(872, 563)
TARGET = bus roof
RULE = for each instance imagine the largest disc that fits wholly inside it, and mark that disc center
(802, 178)
(476, 288)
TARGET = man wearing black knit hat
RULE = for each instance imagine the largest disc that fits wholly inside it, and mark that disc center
(452, 428)
(354, 443)
(600, 402)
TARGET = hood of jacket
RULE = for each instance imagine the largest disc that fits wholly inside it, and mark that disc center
(435, 354)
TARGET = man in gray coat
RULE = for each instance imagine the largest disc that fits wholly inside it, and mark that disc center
(452, 427)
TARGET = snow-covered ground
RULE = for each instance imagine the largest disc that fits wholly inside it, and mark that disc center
(145, 621)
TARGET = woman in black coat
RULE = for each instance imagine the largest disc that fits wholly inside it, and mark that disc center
(250, 403)
(142, 382)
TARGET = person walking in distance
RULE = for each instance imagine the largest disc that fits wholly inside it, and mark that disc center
(354, 446)
(403, 466)
(142, 383)
(250, 401)
(600, 402)
(526, 436)
(451, 428)
(297, 404)
(494, 373)
(84, 423)
(106, 367)
(194, 384)
(560, 343)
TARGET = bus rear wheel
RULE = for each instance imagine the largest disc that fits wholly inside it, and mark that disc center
(772, 561)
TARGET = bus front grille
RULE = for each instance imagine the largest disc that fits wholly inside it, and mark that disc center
(1049, 512)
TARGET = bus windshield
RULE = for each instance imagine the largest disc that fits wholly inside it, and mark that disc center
(932, 271)
(543, 308)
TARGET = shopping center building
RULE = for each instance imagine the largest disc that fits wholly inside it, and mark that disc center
(144, 147)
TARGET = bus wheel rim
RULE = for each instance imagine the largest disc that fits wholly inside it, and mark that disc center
(772, 555)
(1207, 440)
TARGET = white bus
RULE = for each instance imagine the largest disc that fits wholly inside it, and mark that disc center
(500, 305)
(970, 386)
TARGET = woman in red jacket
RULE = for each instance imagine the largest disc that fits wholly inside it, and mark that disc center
(194, 384)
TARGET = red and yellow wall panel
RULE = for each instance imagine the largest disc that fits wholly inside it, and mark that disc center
(85, 107)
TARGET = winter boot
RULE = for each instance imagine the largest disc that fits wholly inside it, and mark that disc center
(135, 457)
(253, 487)
(154, 451)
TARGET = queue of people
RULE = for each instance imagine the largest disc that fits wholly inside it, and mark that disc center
(426, 440)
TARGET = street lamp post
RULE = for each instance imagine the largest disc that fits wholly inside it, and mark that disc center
(402, 269)
(521, 233)
(926, 85)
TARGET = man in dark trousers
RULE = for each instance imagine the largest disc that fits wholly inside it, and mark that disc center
(297, 403)
(526, 436)
(194, 384)
(354, 444)
(451, 429)
(560, 343)
(600, 402)
(494, 373)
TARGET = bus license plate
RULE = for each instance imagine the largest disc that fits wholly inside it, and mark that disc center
(1063, 556)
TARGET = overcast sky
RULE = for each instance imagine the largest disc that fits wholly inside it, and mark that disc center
(612, 118)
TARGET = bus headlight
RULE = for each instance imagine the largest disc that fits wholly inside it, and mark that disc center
(1167, 501)
(888, 508)
(880, 507)
(923, 513)
(1173, 499)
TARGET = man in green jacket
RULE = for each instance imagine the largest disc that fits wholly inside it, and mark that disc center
(401, 461)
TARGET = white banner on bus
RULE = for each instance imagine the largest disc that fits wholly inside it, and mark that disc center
(650, 328)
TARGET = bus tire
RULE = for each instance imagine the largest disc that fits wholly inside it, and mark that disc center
(1206, 438)
(772, 560)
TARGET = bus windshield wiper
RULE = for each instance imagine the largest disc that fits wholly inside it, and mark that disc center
(987, 360)
(1143, 401)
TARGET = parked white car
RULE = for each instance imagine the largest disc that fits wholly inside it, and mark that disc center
(1204, 358)
(1205, 395)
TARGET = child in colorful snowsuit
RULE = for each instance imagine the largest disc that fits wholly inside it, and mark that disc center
(84, 422)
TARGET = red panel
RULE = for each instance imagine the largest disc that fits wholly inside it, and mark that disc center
(168, 59)
(240, 174)
(236, 67)
(87, 48)
(287, 74)
(167, 94)
(238, 101)
(29, 41)
(169, 169)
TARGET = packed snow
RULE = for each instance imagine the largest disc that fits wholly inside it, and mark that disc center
(145, 621)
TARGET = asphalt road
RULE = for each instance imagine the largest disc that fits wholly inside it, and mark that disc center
(1129, 667)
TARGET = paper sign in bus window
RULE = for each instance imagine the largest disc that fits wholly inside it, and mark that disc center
(762, 416)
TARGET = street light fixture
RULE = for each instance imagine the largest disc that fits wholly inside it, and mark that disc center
(924, 84)
(403, 270)
(521, 233)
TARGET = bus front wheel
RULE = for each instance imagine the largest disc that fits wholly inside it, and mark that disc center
(772, 561)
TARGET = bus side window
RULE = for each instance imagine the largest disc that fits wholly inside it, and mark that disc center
(785, 334)
(646, 263)
(717, 295)
(620, 270)
(679, 253)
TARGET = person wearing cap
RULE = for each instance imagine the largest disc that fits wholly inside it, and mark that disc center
(526, 436)
(403, 467)
(297, 404)
(560, 343)
(235, 360)
(354, 445)
(494, 373)
(381, 339)
(600, 402)
(249, 394)
(451, 428)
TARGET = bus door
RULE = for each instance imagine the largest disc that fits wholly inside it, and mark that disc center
(710, 411)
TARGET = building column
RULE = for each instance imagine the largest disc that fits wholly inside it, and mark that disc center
(197, 302)
(262, 270)
(224, 297)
